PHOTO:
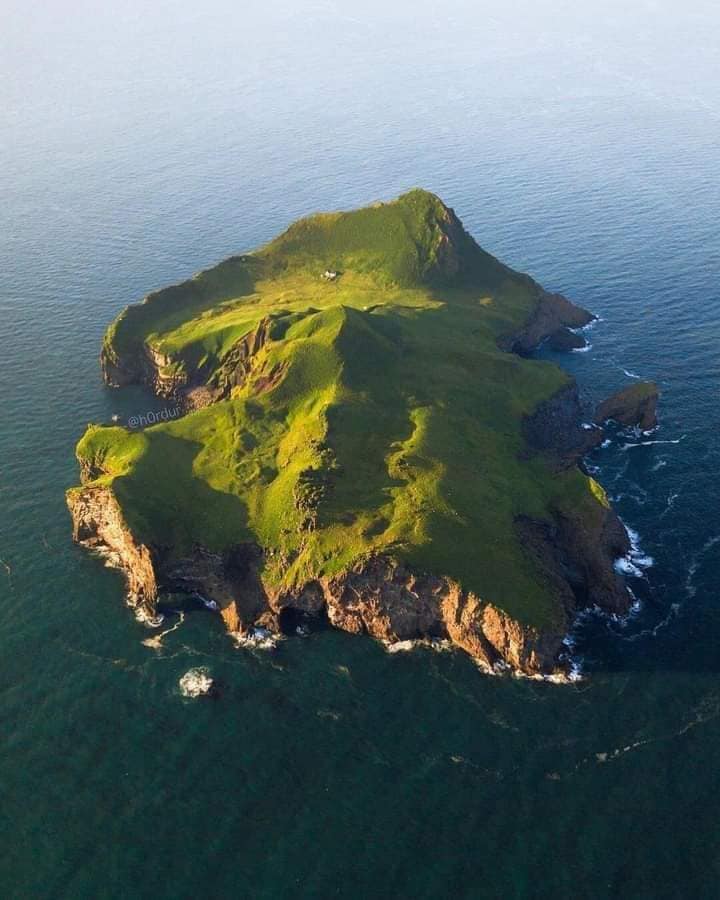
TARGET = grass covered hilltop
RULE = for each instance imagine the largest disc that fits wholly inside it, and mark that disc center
(361, 442)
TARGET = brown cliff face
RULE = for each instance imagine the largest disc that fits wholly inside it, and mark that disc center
(237, 362)
(635, 405)
(99, 525)
(146, 366)
(384, 599)
(193, 389)
(379, 597)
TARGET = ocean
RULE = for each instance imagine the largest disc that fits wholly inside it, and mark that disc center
(138, 145)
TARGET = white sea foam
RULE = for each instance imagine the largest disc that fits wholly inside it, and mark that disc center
(400, 646)
(672, 497)
(650, 443)
(573, 675)
(631, 374)
(147, 619)
(437, 644)
(155, 642)
(690, 588)
(196, 682)
(652, 632)
(209, 604)
(584, 349)
(605, 444)
(636, 560)
(624, 566)
(256, 639)
(112, 560)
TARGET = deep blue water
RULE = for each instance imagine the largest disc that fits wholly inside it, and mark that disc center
(137, 146)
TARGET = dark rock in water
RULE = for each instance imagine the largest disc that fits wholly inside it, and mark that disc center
(635, 405)
(552, 313)
(563, 339)
(555, 430)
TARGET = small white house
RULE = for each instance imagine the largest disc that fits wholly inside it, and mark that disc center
(329, 276)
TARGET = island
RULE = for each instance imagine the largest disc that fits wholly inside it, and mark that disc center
(365, 439)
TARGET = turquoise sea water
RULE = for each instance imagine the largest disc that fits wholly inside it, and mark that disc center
(140, 146)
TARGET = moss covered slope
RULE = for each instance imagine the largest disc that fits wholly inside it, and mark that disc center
(370, 413)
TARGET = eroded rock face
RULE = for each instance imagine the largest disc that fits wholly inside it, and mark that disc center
(577, 556)
(98, 524)
(552, 313)
(635, 405)
(237, 362)
(555, 430)
(160, 373)
(146, 366)
(564, 340)
(229, 579)
(386, 600)
(379, 597)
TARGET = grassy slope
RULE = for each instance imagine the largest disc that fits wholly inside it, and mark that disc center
(394, 423)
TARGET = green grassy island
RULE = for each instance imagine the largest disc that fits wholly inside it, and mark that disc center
(365, 438)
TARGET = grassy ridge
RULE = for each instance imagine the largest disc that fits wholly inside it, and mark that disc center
(379, 416)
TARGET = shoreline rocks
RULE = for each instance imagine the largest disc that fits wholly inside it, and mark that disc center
(563, 340)
(633, 406)
(552, 314)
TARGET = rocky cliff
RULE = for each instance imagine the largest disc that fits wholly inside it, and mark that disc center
(633, 406)
(99, 525)
(380, 596)
(551, 317)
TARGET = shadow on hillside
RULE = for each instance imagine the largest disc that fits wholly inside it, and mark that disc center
(168, 504)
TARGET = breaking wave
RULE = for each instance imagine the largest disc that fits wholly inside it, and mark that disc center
(256, 639)
(196, 682)
(635, 561)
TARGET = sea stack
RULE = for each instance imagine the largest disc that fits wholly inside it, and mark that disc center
(633, 406)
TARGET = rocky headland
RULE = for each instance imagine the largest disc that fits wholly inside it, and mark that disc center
(634, 406)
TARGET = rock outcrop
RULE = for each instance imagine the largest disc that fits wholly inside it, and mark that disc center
(564, 340)
(555, 430)
(380, 597)
(99, 525)
(145, 365)
(633, 406)
(552, 313)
